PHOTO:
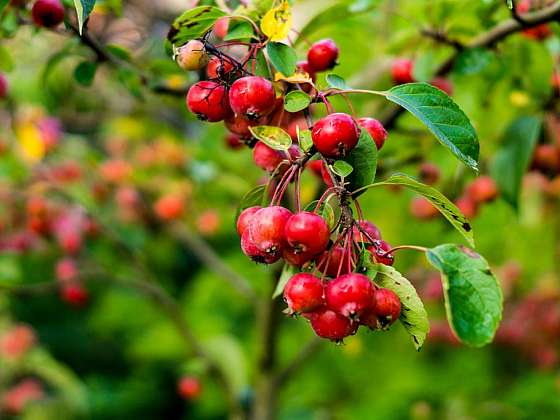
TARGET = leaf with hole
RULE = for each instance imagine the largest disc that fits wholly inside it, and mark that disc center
(513, 158)
(273, 137)
(296, 100)
(193, 24)
(413, 314)
(473, 298)
(282, 57)
(442, 116)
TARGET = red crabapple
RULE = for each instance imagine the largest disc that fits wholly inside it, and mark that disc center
(307, 232)
(233, 141)
(305, 67)
(169, 207)
(218, 67)
(208, 101)
(245, 218)
(429, 173)
(375, 130)
(467, 206)
(75, 294)
(379, 251)
(304, 293)
(372, 231)
(266, 157)
(546, 158)
(15, 342)
(18, 396)
(47, 13)
(329, 261)
(192, 56)
(387, 306)
(189, 387)
(66, 270)
(335, 135)
(331, 325)
(422, 208)
(267, 229)
(3, 86)
(443, 84)
(402, 71)
(295, 257)
(349, 294)
(482, 189)
(252, 97)
(238, 124)
(221, 27)
(322, 55)
(250, 249)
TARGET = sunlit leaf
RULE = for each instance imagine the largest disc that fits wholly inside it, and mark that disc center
(273, 137)
(296, 100)
(83, 10)
(277, 22)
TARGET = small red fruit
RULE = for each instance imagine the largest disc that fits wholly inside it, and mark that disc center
(547, 158)
(307, 232)
(192, 56)
(335, 135)
(443, 84)
(369, 228)
(379, 251)
(330, 261)
(266, 157)
(322, 55)
(375, 130)
(3, 86)
(330, 325)
(245, 218)
(252, 97)
(402, 71)
(350, 294)
(429, 173)
(304, 293)
(66, 270)
(268, 227)
(18, 396)
(15, 342)
(209, 101)
(305, 67)
(422, 208)
(467, 205)
(250, 249)
(482, 189)
(218, 68)
(233, 141)
(387, 306)
(47, 13)
(189, 387)
(75, 294)
(239, 125)
(296, 257)
(221, 27)
(169, 207)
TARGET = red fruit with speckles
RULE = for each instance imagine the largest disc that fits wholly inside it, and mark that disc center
(375, 130)
(379, 251)
(422, 208)
(369, 228)
(245, 218)
(250, 249)
(467, 206)
(75, 294)
(443, 84)
(252, 97)
(47, 13)
(3, 86)
(307, 232)
(218, 68)
(266, 157)
(350, 294)
(329, 261)
(335, 135)
(387, 306)
(322, 55)
(331, 325)
(189, 388)
(268, 227)
(209, 101)
(304, 293)
(402, 71)
(483, 189)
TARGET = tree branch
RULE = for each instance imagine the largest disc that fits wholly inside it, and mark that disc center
(485, 40)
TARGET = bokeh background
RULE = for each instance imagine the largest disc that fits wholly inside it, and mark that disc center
(110, 159)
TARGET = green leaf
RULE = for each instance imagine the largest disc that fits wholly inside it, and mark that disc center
(260, 65)
(513, 158)
(3, 4)
(363, 158)
(6, 60)
(336, 82)
(296, 100)
(83, 9)
(287, 273)
(441, 202)
(304, 139)
(118, 51)
(473, 298)
(193, 24)
(413, 315)
(442, 116)
(273, 137)
(255, 197)
(472, 61)
(85, 73)
(342, 168)
(241, 30)
(282, 57)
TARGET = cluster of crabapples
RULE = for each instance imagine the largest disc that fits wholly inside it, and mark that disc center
(336, 300)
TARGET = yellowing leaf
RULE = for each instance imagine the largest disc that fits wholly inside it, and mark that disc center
(277, 22)
(294, 78)
(30, 141)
